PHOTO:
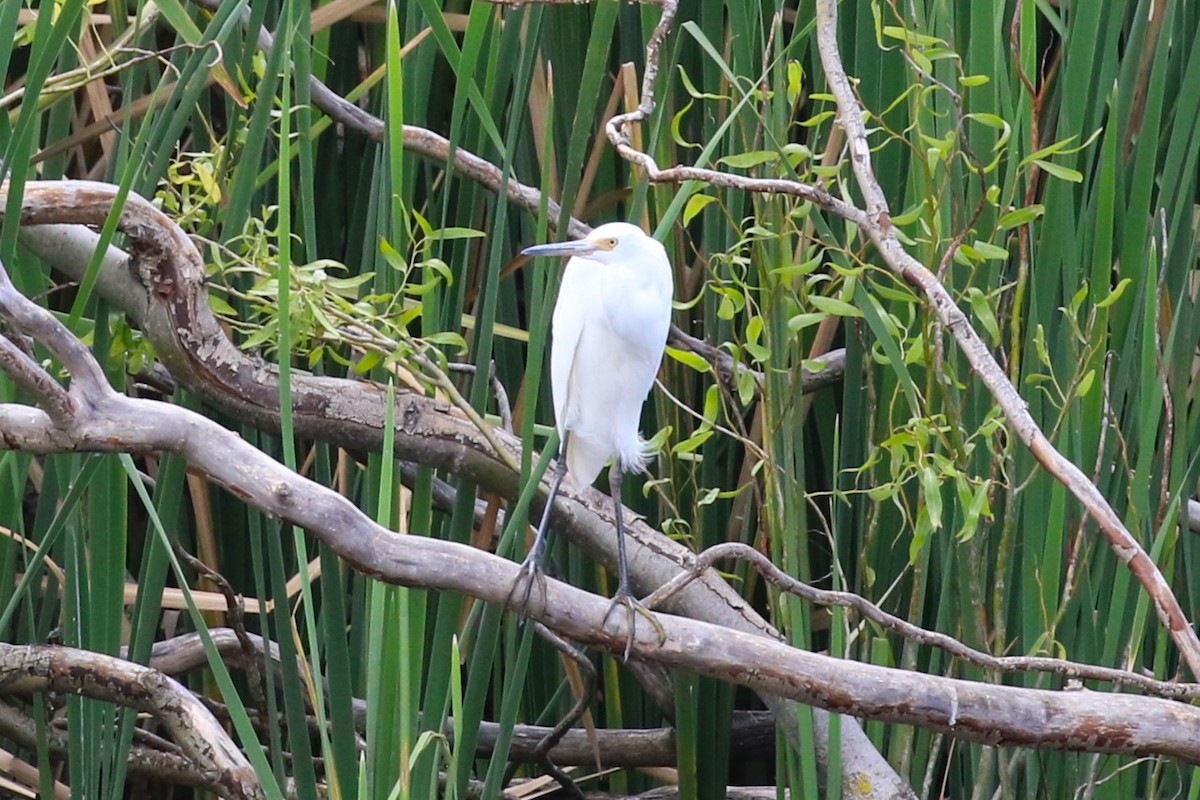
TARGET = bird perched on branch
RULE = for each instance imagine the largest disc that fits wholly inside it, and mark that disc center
(607, 337)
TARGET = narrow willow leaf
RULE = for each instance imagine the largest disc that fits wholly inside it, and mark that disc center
(753, 158)
(695, 205)
(1059, 171)
(688, 358)
(831, 305)
(1021, 216)
(1115, 294)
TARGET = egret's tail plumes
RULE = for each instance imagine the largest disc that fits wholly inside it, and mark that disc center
(587, 457)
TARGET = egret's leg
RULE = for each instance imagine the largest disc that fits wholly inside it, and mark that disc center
(531, 568)
(624, 596)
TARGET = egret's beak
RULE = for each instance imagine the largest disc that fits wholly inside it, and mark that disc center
(581, 247)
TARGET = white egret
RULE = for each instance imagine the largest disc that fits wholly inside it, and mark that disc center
(607, 337)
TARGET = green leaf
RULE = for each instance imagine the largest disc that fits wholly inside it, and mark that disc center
(448, 339)
(691, 89)
(983, 312)
(911, 37)
(1021, 216)
(688, 358)
(796, 270)
(367, 362)
(1060, 172)
(830, 305)
(392, 256)
(795, 81)
(910, 215)
(218, 306)
(746, 387)
(816, 119)
(693, 442)
(1115, 294)
(677, 127)
(796, 154)
(989, 251)
(1085, 383)
(751, 159)
(712, 404)
(802, 321)
(931, 488)
(452, 233)
(695, 205)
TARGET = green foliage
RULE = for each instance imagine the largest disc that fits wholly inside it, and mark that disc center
(1046, 170)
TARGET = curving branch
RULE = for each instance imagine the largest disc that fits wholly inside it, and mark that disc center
(218, 764)
(870, 611)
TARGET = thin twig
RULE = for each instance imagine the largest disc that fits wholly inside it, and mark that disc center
(423, 141)
(235, 615)
(915, 633)
(878, 226)
(542, 751)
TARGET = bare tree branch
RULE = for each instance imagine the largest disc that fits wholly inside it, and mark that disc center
(996, 715)
(878, 227)
(915, 633)
(19, 727)
(221, 765)
(753, 732)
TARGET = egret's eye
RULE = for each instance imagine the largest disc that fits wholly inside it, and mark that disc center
(610, 243)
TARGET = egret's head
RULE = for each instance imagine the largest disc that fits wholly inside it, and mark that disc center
(609, 243)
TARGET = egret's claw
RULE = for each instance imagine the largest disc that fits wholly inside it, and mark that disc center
(632, 609)
(531, 573)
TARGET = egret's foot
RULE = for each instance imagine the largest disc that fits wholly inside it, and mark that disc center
(632, 609)
(531, 574)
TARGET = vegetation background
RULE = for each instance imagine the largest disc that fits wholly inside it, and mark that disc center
(1041, 155)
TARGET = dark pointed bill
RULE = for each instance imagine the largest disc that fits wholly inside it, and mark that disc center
(578, 248)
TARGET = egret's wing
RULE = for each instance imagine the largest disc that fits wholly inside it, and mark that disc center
(576, 302)
(573, 349)
(637, 315)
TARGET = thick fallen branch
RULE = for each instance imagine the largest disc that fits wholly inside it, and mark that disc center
(91, 416)
(219, 764)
